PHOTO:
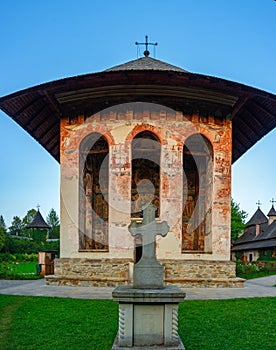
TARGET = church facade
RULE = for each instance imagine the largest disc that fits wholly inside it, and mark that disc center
(142, 132)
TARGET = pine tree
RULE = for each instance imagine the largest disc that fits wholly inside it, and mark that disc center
(2, 223)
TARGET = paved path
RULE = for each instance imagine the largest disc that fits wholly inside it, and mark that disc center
(260, 287)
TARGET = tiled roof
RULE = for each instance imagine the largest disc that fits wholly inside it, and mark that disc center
(38, 222)
(145, 63)
(257, 219)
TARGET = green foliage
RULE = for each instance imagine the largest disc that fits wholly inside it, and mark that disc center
(2, 223)
(16, 226)
(24, 245)
(19, 270)
(267, 255)
(21, 245)
(51, 246)
(255, 269)
(28, 218)
(238, 217)
(38, 236)
(53, 221)
(2, 238)
(51, 323)
(11, 258)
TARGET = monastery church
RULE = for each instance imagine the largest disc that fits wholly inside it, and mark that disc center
(144, 131)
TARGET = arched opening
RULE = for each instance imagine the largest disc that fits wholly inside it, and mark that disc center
(145, 182)
(94, 160)
(197, 194)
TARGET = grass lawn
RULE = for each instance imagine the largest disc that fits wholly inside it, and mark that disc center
(58, 323)
(20, 270)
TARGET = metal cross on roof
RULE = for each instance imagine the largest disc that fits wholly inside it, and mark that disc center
(146, 52)
(273, 201)
(259, 204)
(38, 206)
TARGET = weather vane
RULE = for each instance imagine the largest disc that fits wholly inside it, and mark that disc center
(146, 52)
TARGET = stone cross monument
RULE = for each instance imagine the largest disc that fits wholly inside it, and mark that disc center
(148, 311)
(148, 272)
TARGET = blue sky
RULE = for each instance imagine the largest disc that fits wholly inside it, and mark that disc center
(43, 41)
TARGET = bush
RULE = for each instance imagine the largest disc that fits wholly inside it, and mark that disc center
(254, 268)
(245, 268)
(26, 246)
(267, 255)
(11, 258)
(21, 246)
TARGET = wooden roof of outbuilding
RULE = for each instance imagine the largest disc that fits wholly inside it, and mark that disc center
(272, 211)
(265, 240)
(38, 222)
(38, 109)
(266, 237)
(258, 218)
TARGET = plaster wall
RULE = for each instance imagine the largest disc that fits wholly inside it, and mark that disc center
(172, 128)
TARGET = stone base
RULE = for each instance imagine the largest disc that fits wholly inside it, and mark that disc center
(148, 276)
(116, 272)
(179, 346)
(148, 318)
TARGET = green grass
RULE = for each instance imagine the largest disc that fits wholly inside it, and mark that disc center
(33, 323)
(20, 270)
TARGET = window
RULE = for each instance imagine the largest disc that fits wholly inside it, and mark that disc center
(145, 180)
(197, 194)
(94, 160)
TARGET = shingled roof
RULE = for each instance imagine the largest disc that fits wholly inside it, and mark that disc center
(257, 219)
(265, 239)
(272, 212)
(147, 63)
(39, 109)
(38, 222)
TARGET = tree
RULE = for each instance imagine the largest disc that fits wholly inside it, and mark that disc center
(2, 223)
(53, 221)
(3, 237)
(28, 218)
(3, 233)
(16, 226)
(238, 217)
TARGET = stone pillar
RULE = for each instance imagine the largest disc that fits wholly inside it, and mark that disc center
(148, 318)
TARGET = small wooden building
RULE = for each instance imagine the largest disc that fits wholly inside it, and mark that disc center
(258, 239)
(45, 258)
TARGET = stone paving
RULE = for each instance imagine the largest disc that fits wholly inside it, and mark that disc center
(261, 287)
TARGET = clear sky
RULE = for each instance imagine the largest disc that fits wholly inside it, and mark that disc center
(43, 41)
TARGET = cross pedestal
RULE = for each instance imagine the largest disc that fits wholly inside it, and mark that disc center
(148, 311)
